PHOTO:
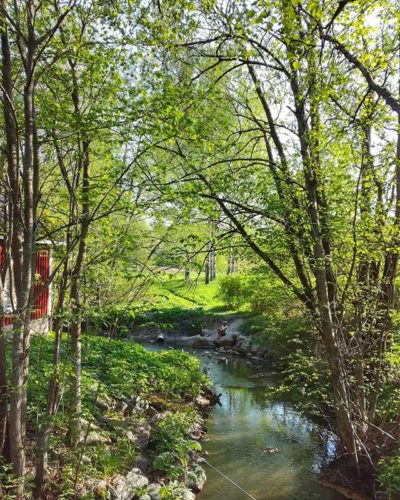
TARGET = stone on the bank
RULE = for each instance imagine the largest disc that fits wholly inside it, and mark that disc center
(122, 407)
(154, 491)
(100, 489)
(141, 404)
(202, 401)
(142, 463)
(187, 495)
(86, 460)
(125, 487)
(102, 404)
(140, 436)
(196, 479)
(96, 438)
(84, 425)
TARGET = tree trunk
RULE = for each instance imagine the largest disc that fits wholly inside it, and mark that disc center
(53, 392)
(76, 306)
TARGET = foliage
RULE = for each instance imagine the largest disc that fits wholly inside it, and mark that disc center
(114, 370)
(233, 291)
(277, 335)
(173, 443)
(389, 475)
(260, 292)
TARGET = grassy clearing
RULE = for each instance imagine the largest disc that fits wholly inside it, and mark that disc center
(172, 292)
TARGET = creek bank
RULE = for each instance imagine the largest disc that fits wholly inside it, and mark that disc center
(138, 423)
(136, 405)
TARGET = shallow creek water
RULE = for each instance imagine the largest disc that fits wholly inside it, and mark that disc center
(246, 424)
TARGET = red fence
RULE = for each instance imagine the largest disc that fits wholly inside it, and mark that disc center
(42, 274)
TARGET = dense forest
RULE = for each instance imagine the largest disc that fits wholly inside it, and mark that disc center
(179, 160)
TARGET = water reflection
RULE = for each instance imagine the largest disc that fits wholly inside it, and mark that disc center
(247, 423)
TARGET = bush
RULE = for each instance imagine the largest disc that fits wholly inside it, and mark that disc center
(173, 443)
(118, 318)
(389, 475)
(260, 292)
(232, 290)
(278, 336)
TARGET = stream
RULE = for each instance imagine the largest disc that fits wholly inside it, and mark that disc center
(246, 423)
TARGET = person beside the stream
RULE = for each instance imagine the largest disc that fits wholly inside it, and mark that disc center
(222, 329)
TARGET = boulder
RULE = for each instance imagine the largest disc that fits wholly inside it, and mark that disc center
(140, 404)
(139, 435)
(196, 341)
(227, 341)
(142, 463)
(203, 342)
(196, 478)
(124, 488)
(154, 491)
(100, 489)
(103, 405)
(86, 460)
(122, 407)
(202, 401)
(85, 424)
(94, 438)
(196, 431)
(187, 495)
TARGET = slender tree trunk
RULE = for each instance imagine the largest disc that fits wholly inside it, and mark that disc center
(53, 392)
(231, 262)
(3, 379)
(76, 306)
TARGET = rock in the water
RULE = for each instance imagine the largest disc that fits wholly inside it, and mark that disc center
(125, 487)
(196, 341)
(96, 438)
(196, 479)
(226, 341)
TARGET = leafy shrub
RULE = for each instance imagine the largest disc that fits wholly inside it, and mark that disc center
(174, 490)
(173, 443)
(389, 475)
(118, 318)
(260, 292)
(233, 290)
(173, 428)
(110, 460)
(278, 336)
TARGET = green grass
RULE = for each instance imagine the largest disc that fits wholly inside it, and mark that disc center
(112, 370)
(171, 291)
(196, 293)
